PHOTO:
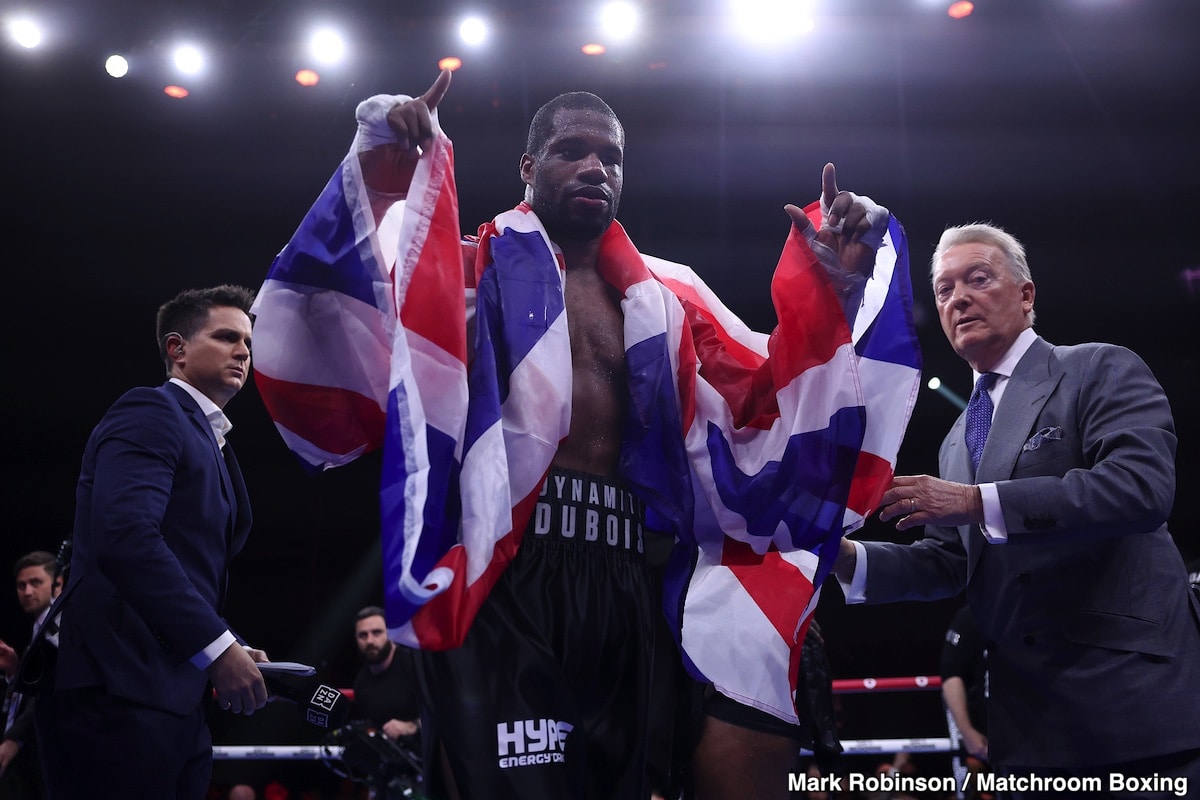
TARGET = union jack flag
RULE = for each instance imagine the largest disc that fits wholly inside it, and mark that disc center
(756, 452)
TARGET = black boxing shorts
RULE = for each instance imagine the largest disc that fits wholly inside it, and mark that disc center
(548, 696)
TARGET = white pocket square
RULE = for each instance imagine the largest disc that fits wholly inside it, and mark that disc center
(1051, 434)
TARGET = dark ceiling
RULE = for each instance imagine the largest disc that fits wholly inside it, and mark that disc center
(1073, 124)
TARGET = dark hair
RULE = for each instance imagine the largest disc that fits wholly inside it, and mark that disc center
(370, 611)
(541, 127)
(187, 312)
(38, 558)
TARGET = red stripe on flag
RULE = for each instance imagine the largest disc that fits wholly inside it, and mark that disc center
(433, 306)
(872, 476)
(335, 420)
(745, 385)
(442, 623)
(779, 589)
(698, 311)
(812, 325)
(620, 262)
(811, 329)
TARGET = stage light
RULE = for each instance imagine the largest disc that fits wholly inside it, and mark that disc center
(473, 31)
(307, 77)
(188, 59)
(116, 66)
(178, 92)
(935, 384)
(593, 49)
(618, 20)
(327, 46)
(772, 21)
(25, 32)
(961, 9)
(450, 62)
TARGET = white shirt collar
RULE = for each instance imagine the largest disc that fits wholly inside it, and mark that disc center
(1005, 366)
(211, 411)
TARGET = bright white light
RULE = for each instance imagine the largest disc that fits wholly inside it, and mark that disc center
(116, 66)
(473, 31)
(772, 20)
(618, 19)
(327, 46)
(188, 59)
(25, 32)
(935, 383)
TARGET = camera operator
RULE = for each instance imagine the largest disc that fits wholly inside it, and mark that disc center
(385, 689)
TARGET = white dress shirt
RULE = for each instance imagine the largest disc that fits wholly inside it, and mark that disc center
(221, 426)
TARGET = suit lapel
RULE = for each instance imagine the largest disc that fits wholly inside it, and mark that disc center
(241, 528)
(956, 461)
(1028, 389)
(955, 466)
(197, 418)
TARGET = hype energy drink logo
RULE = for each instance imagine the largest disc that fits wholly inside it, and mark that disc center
(527, 742)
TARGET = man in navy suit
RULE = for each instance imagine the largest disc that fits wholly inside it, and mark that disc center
(1056, 528)
(161, 509)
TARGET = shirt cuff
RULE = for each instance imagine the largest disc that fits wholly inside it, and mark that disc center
(208, 655)
(856, 590)
(993, 527)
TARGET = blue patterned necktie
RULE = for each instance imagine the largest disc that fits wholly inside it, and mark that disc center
(979, 418)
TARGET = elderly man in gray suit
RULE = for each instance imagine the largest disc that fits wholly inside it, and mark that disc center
(1051, 512)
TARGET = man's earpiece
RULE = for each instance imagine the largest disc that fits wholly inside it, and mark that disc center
(179, 347)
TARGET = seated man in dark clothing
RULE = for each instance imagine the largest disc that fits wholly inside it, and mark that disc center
(385, 690)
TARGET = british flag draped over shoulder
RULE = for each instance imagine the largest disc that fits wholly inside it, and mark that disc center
(756, 452)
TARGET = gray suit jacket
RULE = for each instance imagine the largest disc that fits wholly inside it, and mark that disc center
(1093, 635)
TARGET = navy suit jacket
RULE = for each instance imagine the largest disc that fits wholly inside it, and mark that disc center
(1093, 635)
(160, 512)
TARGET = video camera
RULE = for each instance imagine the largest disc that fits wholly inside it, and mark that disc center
(390, 768)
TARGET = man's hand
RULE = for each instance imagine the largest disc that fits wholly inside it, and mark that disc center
(395, 728)
(852, 226)
(237, 681)
(389, 141)
(846, 561)
(925, 500)
(9, 660)
(8, 751)
(258, 656)
(976, 743)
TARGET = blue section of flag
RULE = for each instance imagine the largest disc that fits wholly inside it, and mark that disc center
(889, 336)
(653, 458)
(529, 292)
(441, 511)
(780, 492)
(487, 380)
(323, 253)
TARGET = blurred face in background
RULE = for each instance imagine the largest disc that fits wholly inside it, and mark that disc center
(371, 636)
(35, 589)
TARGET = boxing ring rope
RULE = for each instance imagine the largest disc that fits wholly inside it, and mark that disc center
(916, 683)
(276, 752)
